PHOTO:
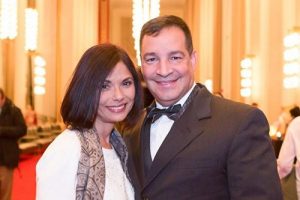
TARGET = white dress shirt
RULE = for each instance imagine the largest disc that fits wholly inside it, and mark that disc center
(161, 127)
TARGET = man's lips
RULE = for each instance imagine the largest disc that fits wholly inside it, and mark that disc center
(165, 82)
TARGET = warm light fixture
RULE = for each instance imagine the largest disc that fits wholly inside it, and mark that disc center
(291, 68)
(31, 29)
(8, 19)
(142, 11)
(246, 76)
(39, 75)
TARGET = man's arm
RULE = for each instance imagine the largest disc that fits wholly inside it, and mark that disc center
(251, 164)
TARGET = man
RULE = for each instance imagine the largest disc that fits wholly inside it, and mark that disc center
(289, 152)
(12, 127)
(213, 148)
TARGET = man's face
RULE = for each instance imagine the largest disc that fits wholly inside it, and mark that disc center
(167, 67)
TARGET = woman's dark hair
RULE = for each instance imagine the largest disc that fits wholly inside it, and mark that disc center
(80, 105)
(154, 26)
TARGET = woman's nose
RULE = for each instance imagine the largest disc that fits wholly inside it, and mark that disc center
(118, 93)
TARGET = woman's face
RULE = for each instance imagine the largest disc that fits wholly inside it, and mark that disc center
(117, 96)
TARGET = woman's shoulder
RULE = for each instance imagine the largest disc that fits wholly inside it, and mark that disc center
(67, 134)
(66, 137)
(67, 141)
(56, 170)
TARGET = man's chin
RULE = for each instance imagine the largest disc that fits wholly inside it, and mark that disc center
(166, 101)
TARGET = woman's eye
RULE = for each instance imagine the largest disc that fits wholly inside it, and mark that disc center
(127, 83)
(105, 86)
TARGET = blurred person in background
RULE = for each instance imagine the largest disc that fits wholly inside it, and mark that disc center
(30, 116)
(283, 120)
(12, 127)
(294, 112)
(290, 151)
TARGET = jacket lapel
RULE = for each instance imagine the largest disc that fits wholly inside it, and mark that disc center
(133, 140)
(181, 134)
(134, 165)
(145, 144)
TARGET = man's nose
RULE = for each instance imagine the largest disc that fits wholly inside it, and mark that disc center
(164, 68)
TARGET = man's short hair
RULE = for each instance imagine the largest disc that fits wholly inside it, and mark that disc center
(155, 25)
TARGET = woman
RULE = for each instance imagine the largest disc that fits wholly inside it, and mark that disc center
(89, 159)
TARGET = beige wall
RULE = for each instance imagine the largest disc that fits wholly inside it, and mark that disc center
(66, 29)
(247, 27)
(121, 21)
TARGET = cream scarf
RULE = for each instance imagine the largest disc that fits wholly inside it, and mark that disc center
(91, 168)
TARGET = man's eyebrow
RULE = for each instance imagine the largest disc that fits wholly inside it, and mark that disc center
(149, 54)
(176, 52)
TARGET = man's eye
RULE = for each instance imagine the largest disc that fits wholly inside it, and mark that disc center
(176, 58)
(150, 60)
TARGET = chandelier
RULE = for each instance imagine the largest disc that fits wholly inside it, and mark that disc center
(291, 68)
(8, 19)
(39, 75)
(246, 76)
(142, 11)
(31, 29)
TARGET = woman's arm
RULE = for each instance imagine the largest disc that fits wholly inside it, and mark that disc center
(57, 169)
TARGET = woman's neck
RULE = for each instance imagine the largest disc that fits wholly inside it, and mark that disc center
(104, 131)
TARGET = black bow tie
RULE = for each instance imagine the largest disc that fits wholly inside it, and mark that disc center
(170, 112)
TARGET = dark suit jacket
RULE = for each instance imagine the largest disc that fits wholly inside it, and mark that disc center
(12, 127)
(217, 150)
